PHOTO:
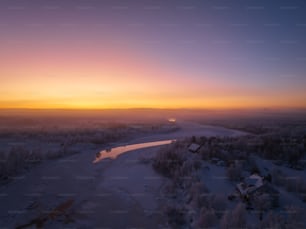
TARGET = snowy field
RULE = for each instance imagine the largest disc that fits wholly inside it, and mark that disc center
(74, 190)
(92, 187)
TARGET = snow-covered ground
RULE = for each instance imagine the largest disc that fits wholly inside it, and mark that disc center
(216, 180)
(112, 193)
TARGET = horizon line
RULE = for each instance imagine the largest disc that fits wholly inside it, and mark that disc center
(154, 108)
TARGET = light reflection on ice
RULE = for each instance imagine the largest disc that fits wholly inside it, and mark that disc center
(115, 152)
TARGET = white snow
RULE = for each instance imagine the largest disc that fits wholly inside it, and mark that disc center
(104, 192)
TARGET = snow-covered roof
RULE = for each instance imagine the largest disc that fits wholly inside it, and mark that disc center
(194, 147)
(250, 181)
(241, 188)
(250, 184)
(256, 180)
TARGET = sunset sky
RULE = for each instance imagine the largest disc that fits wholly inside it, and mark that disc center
(152, 54)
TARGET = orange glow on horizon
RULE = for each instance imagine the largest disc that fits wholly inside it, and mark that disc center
(110, 77)
(161, 103)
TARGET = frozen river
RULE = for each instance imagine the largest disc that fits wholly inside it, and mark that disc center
(115, 152)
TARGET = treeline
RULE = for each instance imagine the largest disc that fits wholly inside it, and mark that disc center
(20, 159)
(189, 203)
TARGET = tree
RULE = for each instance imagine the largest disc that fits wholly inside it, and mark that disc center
(198, 194)
(176, 216)
(235, 218)
(272, 220)
(207, 218)
(295, 219)
(218, 203)
(15, 160)
(262, 203)
(234, 172)
(3, 165)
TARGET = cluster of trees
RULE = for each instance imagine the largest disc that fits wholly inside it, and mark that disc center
(292, 218)
(79, 136)
(18, 159)
(294, 184)
(196, 207)
(81, 133)
(234, 172)
(69, 136)
(172, 161)
(189, 202)
(276, 147)
(288, 149)
(235, 218)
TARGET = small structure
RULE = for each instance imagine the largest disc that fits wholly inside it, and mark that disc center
(250, 184)
(255, 185)
(254, 181)
(194, 148)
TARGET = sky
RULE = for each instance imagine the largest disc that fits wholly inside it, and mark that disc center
(95, 54)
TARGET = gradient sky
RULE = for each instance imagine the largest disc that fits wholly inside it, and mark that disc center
(160, 54)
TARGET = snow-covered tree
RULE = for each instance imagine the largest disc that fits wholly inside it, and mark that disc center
(235, 218)
(207, 218)
(234, 172)
(272, 220)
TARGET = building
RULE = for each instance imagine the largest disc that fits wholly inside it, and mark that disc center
(254, 186)
(194, 148)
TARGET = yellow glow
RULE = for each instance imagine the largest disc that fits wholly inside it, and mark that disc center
(81, 78)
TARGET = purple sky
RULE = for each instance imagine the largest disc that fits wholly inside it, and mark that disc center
(239, 51)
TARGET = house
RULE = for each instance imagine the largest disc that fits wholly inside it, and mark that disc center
(255, 185)
(194, 148)
(242, 189)
(249, 184)
(254, 181)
